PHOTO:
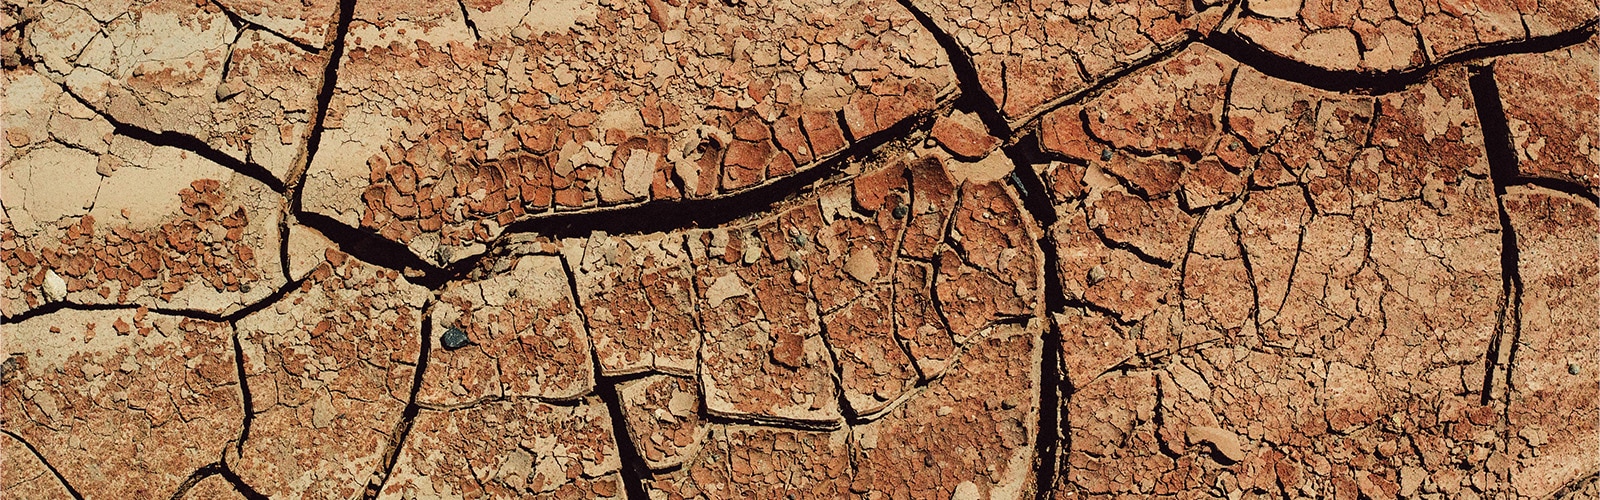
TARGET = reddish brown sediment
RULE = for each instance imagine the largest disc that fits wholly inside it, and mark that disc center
(913, 249)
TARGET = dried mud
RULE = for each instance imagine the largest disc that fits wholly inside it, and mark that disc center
(800, 249)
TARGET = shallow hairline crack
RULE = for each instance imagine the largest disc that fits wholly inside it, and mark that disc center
(74, 306)
(242, 24)
(1100, 86)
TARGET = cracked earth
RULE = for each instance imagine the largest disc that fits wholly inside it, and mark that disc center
(800, 249)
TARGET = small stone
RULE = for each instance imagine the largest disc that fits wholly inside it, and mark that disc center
(1016, 182)
(752, 251)
(1572, 368)
(107, 165)
(799, 239)
(55, 288)
(453, 339)
(8, 369)
(1097, 274)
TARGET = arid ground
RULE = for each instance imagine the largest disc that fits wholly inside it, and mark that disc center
(891, 249)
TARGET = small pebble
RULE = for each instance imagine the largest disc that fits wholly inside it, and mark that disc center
(453, 339)
(1096, 274)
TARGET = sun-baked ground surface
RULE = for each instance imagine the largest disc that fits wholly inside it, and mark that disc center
(800, 248)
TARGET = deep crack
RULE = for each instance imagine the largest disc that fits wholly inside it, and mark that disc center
(187, 143)
(680, 210)
(408, 416)
(973, 97)
(319, 113)
(1502, 172)
(1260, 59)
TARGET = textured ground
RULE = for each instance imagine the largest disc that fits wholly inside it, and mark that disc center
(800, 248)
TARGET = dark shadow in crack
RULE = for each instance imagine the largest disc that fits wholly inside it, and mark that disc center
(239, 485)
(218, 469)
(1024, 154)
(319, 114)
(371, 248)
(672, 215)
(408, 416)
(634, 470)
(188, 143)
(1502, 172)
(1567, 187)
(64, 305)
(973, 98)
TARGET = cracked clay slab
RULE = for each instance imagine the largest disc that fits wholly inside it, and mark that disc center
(330, 368)
(203, 72)
(1212, 324)
(122, 402)
(511, 448)
(515, 334)
(1398, 36)
(452, 122)
(93, 217)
